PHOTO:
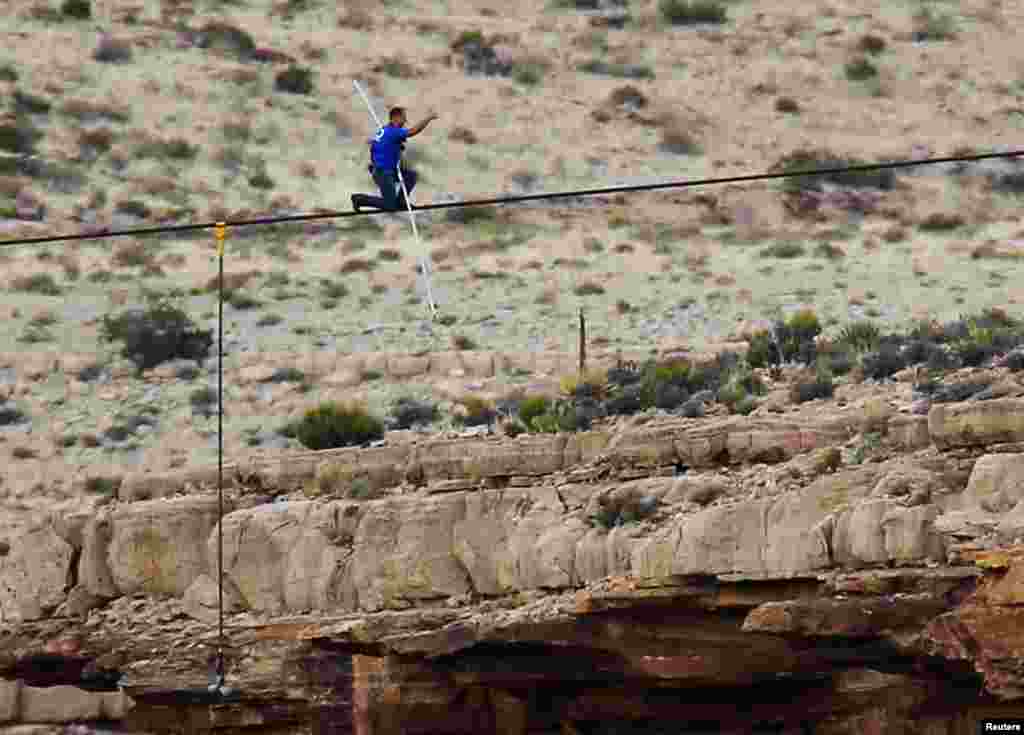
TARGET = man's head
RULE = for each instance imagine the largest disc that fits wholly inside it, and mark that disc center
(396, 116)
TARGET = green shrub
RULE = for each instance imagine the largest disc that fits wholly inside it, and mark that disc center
(478, 411)
(619, 509)
(103, 485)
(77, 9)
(808, 159)
(156, 334)
(786, 250)
(40, 283)
(294, 80)
(684, 12)
(871, 44)
(860, 69)
(337, 424)
(532, 407)
(407, 412)
(860, 337)
(931, 27)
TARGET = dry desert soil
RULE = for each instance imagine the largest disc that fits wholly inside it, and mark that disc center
(146, 113)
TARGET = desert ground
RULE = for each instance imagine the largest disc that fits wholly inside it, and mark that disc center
(146, 113)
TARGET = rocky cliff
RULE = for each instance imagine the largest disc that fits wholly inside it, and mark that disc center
(824, 567)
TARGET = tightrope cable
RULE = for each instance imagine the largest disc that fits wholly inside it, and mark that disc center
(624, 189)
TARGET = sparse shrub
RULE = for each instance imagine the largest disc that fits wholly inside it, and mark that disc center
(175, 149)
(41, 283)
(929, 26)
(260, 180)
(19, 135)
(90, 373)
(589, 288)
(408, 412)
(860, 337)
(269, 320)
(690, 12)
(203, 401)
(26, 103)
(829, 250)
(287, 375)
(941, 222)
(820, 387)
(627, 96)
(818, 159)
(77, 9)
(787, 105)
(355, 265)
(787, 250)
(187, 372)
(532, 407)
(226, 38)
(678, 140)
(530, 71)
(103, 485)
(337, 424)
(156, 334)
(294, 80)
(10, 415)
(113, 51)
(478, 412)
(389, 254)
(462, 342)
(35, 334)
(859, 69)
(619, 71)
(334, 290)
(883, 363)
(396, 67)
(619, 509)
(243, 301)
(871, 44)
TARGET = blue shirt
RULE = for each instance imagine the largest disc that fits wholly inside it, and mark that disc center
(386, 148)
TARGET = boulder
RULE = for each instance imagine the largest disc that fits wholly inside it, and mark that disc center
(404, 552)
(257, 545)
(59, 704)
(909, 432)
(997, 483)
(976, 423)
(10, 700)
(34, 575)
(202, 599)
(93, 566)
(159, 546)
(910, 535)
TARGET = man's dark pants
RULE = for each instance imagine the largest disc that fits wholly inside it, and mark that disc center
(391, 191)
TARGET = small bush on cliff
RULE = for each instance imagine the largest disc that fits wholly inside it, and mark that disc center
(618, 509)
(408, 412)
(337, 424)
(476, 411)
(792, 339)
(156, 334)
(532, 407)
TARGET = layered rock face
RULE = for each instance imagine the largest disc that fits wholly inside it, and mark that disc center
(738, 575)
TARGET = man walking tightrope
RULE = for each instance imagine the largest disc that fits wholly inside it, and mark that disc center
(386, 156)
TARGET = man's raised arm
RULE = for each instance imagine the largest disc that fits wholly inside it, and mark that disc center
(418, 128)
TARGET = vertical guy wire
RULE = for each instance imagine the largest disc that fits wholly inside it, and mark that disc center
(220, 451)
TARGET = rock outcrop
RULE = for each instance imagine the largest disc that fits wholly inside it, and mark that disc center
(744, 571)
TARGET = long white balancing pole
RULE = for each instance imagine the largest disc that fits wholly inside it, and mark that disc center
(424, 260)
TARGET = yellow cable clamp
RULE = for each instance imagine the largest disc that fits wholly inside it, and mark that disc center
(220, 230)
